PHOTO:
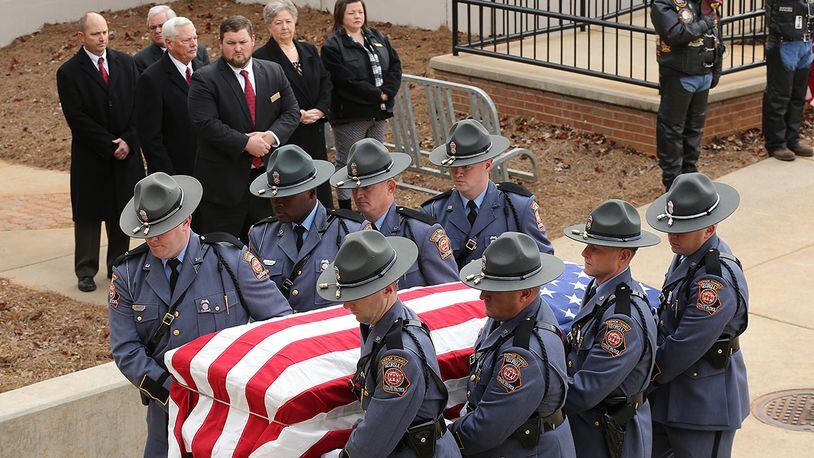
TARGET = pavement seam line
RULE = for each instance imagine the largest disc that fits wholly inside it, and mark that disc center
(781, 321)
(40, 262)
(761, 263)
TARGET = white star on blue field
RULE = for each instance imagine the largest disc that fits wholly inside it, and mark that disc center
(564, 294)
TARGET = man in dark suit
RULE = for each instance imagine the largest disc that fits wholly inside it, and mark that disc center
(241, 108)
(166, 134)
(96, 89)
(156, 18)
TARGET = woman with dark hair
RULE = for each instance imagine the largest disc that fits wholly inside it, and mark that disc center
(309, 80)
(366, 75)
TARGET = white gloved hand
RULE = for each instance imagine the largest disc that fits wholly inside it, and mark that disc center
(332, 454)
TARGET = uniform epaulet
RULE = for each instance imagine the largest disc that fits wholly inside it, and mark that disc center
(347, 214)
(268, 220)
(415, 214)
(222, 237)
(514, 188)
(443, 195)
(141, 249)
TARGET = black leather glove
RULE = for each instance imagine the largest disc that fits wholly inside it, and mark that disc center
(709, 19)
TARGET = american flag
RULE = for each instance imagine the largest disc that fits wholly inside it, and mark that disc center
(564, 294)
(279, 387)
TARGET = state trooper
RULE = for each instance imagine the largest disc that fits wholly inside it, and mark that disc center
(517, 384)
(370, 173)
(476, 211)
(690, 55)
(612, 343)
(299, 242)
(788, 61)
(700, 394)
(397, 380)
(176, 287)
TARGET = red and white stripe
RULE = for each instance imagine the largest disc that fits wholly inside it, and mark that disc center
(279, 387)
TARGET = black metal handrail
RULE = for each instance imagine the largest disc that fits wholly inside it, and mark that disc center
(511, 29)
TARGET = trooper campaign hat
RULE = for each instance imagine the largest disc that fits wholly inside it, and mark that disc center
(160, 203)
(369, 162)
(511, 263)
(614, 223)
(290, 171)
(366, 263)
(469, 143)
(692, 203)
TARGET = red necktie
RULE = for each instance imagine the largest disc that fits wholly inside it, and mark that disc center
(189, 76)
(248, 91)
(105, 78)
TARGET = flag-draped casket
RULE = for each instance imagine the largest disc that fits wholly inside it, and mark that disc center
(280, 387)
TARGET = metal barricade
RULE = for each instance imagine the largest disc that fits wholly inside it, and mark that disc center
(441, 99)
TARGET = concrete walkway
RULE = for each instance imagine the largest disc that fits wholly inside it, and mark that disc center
(770, 233)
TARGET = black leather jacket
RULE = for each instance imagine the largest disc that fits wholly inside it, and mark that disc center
(789, 20)
(687, 44)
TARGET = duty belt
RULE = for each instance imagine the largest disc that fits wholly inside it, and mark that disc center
(417, 435)
(621, 408)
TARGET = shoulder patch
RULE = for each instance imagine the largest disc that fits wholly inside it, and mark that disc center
(347, 214)
(708, 299)
(113, 295)
(685, 15)
(441, 241)
(141, 249)
(394, 380)
(680, 3)
(614, 341)
(221, 237)
(415, 214)
(257, 267)
(432, 199)
(535, 207)
(510, 375)
(514, 188)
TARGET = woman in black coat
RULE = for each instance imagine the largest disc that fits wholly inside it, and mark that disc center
(309, 80)
(366, 75)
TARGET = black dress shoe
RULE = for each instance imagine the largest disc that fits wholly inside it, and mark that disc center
(86, 284)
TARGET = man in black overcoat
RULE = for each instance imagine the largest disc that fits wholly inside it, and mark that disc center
(156, 17)
(96, 90)
(165, 131)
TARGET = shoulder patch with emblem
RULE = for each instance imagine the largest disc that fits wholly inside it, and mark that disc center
(257, 267)
(510, 375)
(614, 341)
(394, 380)
(113, 295)
(535, 207)
(680, 3)
(441, 241)
(685, 15)
(708, 299)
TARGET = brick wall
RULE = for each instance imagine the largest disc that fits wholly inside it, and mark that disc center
(628, 126)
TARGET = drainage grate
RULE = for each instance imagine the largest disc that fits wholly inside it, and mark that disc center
(792, 409)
